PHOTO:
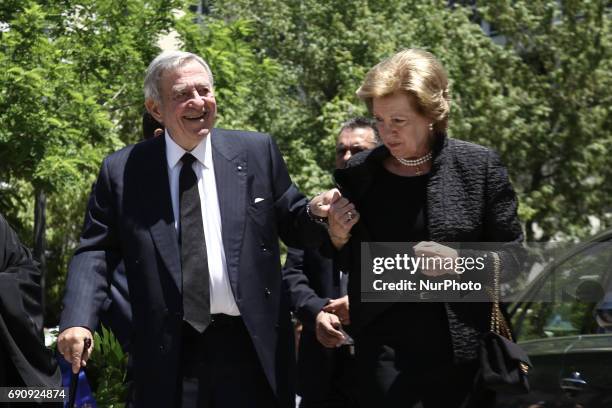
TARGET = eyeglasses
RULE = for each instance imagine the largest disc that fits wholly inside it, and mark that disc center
(341, 150)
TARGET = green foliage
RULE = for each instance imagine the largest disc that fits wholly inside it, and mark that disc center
(538, 94)
(329, 46)
(70, 93)
(563, 142)
(254, 90)
(106, 370)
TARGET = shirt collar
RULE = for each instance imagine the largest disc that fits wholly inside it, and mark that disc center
(201, 152)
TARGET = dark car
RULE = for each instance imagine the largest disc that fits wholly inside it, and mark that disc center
(564, 322)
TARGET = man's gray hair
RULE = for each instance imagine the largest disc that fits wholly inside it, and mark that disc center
(164, 62)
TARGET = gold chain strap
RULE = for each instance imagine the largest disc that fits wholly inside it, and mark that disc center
(499, 324)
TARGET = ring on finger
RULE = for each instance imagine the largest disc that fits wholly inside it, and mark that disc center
(349, 215)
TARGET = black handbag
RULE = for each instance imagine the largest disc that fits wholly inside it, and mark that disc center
(504, 365)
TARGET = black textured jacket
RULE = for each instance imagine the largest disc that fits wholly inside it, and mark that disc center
(469, 199)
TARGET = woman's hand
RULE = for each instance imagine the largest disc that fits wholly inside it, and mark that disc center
(341, 215)
(440, 254)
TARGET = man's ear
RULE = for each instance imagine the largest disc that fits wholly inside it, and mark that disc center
(153, 109)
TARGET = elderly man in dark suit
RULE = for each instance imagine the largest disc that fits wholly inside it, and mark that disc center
(195, 215)
(325, 372)
(24, 359)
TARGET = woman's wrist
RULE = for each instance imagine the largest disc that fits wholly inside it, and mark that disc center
(339, 241)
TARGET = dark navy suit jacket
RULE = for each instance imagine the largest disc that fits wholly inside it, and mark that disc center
(130, 218)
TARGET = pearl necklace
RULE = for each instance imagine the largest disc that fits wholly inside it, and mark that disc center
(416, 162)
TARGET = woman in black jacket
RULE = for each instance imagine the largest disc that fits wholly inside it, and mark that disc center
(421, 186)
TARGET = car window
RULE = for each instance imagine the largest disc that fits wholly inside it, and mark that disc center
(571, 299)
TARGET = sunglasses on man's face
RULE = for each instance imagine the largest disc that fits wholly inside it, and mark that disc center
(341, 150)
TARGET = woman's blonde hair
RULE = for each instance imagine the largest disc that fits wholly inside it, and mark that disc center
(417, 73)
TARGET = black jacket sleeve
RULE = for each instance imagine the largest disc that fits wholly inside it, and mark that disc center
(21, 314)
(303, 299)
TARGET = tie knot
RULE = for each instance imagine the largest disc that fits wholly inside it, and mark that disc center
(188, 159)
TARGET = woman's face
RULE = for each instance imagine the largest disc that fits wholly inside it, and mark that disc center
(404, 131)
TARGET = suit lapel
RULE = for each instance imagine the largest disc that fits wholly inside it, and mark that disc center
(159, 208)
(230, 163)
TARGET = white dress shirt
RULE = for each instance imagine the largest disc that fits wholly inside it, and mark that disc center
(221, 296)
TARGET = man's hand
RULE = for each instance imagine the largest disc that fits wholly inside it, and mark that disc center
(70, 345)
(339, 307)
(326, 330)
(320, 204)
(428, 249)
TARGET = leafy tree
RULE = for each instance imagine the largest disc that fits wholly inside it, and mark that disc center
(540, 98)
(254, 91)
(70, 93)
(561, 142)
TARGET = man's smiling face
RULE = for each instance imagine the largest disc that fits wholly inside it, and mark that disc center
(188, 108)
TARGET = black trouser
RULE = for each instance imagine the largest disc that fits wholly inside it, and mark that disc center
(221, 368)
(342, 392)
(386, 384)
